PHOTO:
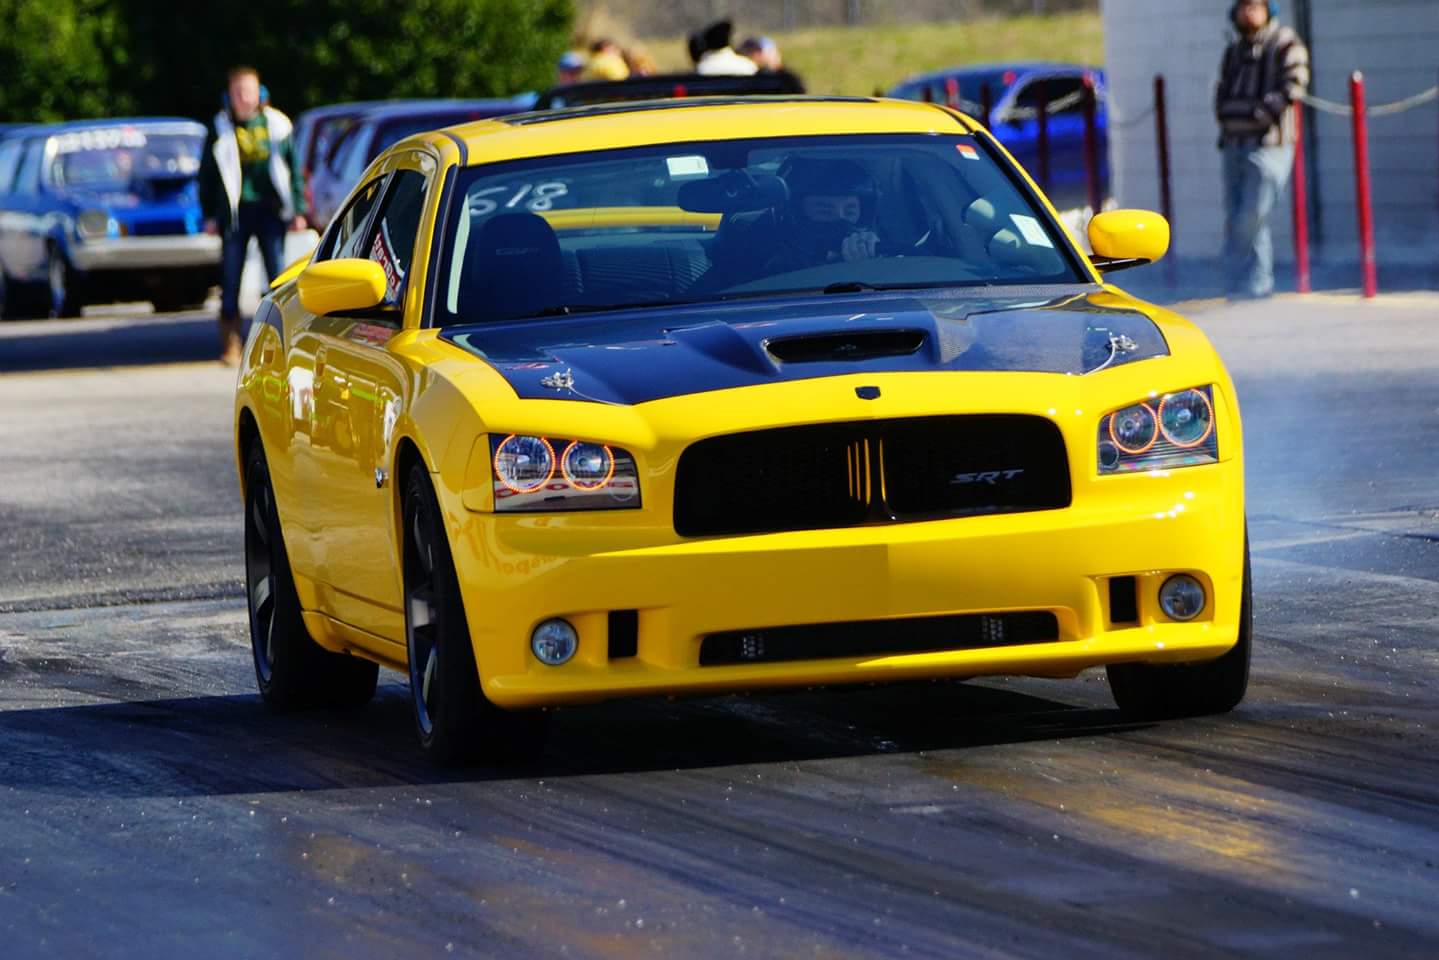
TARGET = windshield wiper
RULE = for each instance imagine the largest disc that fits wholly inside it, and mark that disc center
(850, 286)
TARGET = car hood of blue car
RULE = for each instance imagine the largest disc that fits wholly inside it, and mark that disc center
(636, 356)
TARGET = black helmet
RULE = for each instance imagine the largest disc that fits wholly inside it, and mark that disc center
(816, 176)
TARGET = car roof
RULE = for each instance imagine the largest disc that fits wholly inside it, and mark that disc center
(654, 122)
(102, 123)
(388, 110)
(1019, 67)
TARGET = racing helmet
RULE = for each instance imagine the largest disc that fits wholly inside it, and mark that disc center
(822, 176)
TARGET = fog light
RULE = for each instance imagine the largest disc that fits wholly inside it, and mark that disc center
(1181, 597)
(555, 641)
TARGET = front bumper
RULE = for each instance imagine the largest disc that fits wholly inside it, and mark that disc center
(146, 253)
(518, 571)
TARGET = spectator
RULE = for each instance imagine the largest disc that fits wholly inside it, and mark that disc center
(247, 190)
(567, 71)
(1263, 71)
(719, 58)
(607, 62)
(639, 61)
(764, 52)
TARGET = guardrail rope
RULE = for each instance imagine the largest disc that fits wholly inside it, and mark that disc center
(1379, 110)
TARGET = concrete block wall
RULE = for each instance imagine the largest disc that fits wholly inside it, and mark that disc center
(1396, 44)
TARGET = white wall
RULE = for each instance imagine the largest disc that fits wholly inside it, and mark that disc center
(1396, 43)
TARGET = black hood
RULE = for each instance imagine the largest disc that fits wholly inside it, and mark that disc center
(633, 356)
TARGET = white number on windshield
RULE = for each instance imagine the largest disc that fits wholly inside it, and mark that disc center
(533, 197)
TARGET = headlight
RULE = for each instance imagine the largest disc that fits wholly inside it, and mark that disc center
(1172, 430)
(93, 223)
(538, 474)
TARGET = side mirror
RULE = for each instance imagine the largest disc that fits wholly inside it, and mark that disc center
(1122, 239)
(333, 286)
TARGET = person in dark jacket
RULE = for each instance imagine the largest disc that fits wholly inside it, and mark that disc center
(1264, 70)
(249, 187)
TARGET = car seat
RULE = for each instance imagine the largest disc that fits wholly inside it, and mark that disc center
(514, 269)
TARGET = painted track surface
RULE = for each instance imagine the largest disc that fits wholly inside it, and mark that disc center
(153, 808)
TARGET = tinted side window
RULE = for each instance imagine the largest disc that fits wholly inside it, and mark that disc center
(1064, 94)
(27, 180)
(397, 229)
(346, 237)
(9, 161)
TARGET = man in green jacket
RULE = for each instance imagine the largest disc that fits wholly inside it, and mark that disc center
(249, 187)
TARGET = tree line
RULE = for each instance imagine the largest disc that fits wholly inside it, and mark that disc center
(69, 59)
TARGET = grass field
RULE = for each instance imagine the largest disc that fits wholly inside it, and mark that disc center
(859, 60)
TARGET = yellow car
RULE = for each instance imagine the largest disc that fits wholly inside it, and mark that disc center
(685, 397)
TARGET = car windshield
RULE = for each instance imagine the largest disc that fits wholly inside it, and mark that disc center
(970, 89)
(700, 222)
(114, 157)
(393, 131)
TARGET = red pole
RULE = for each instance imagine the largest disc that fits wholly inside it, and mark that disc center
(1161, 138)
(1091, 145)
(1041, 107)
(1362, 186)
(1301, 205)
(951, 92)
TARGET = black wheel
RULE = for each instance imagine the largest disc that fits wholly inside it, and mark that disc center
(291, 670)
(18, 301)
(65, 293)
(454, 720)
(1157, 692)
(180, 299)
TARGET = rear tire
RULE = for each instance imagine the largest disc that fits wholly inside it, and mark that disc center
(1160, 692)
(180, 301)
(454, 720)
(291, 670)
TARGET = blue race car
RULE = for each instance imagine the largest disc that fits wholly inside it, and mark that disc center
(101, 210)
(1014, 92)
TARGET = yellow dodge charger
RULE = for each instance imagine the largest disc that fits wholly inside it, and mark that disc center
(686, 397)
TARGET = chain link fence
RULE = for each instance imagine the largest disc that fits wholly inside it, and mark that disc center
(668, 18)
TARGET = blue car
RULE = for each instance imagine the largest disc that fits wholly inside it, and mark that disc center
(374, 129)
(1015, 90)
(101, 210)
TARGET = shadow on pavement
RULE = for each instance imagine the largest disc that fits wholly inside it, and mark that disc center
(108, 341)
(203, 746)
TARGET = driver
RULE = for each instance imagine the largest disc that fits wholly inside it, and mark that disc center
(830, 216)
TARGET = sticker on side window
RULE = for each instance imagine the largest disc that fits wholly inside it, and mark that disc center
(966, 151)
(1030, 229)
(682, 167)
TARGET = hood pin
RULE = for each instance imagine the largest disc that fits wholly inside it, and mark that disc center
(560, 380)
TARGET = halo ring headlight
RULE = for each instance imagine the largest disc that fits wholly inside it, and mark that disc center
(1188, 409)
(588, 466)
(1133, 430)
(524, 464)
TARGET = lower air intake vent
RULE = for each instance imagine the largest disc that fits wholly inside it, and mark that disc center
(865, 638)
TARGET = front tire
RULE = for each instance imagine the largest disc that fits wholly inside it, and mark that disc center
(291, 670)
(1161, 692)
(66, 297)
(454, 720)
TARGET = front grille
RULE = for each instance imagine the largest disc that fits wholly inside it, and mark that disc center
(158, 228)
(827, 641)
(887, 471)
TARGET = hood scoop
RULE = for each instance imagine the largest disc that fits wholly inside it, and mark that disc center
(847, 346)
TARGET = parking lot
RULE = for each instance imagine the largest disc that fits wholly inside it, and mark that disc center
(153, 807)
